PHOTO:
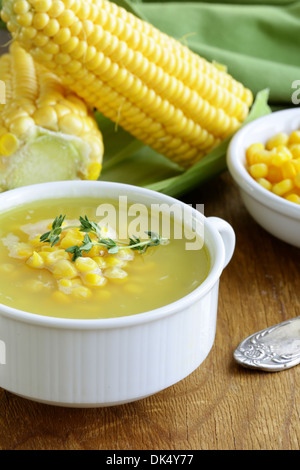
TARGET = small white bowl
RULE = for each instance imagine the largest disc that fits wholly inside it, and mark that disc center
(278, 216)
(93, 363)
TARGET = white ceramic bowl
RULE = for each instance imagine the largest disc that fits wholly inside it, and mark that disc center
(93, 363)
(278, 216)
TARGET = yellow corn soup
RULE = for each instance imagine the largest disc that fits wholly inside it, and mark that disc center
(43, 279)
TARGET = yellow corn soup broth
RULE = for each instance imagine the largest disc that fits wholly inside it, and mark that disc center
(161, 275)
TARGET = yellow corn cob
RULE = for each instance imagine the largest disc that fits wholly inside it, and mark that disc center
(149, 83)
(46, 132)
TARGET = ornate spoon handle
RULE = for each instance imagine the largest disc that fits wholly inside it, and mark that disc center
(273, 349)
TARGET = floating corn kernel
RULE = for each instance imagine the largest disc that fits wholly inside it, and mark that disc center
(147, 82)
(276, 165)
(115, 273)
(35, 260)
(37, 142)
(85, 264)
(125, 254)
(23, 250)
(71, 238)
(94, 280)
(114, 261)
(51, 257)
(81, 292)
(100, 262)
(64, 269)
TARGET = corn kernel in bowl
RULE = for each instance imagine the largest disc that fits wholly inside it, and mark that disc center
(275, 165)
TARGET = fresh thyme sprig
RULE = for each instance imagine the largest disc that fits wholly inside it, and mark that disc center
(87, 226)
(53, 236)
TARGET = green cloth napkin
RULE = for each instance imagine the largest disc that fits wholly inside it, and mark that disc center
(258, 41)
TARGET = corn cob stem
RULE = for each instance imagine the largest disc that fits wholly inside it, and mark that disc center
(152, 85)
(46, 133)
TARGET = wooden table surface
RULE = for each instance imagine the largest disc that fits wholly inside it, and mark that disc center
(220, 406)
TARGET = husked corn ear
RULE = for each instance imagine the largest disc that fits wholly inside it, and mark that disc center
(45, 130)
(147, 82)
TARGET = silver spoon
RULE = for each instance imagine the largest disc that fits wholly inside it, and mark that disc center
(273, 349)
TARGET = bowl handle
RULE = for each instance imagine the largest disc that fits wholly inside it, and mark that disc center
(227, 234)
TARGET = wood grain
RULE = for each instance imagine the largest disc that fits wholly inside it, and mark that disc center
(220, 406)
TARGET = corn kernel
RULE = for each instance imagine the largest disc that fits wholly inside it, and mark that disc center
(64, 269)
(294, 138)
(115, 273)
(274, 174)
(93, 279)
(51, 257)
(114, 261)
(282, 187)
(94, 171)
(36, 242)
(293, 198)
(262, 156)
(258, 170)
(71, 124)
(265, 183)
(85, 264)
(125, 254)
(278, 139)
(71, 238)
(81, 292)
(35, 261)
(297, 180)
(8, 144)
(296, 164)
(252, 150)
(65, 283)
(295, 150)
(23, 250)
(21, 7)
(100, 261)
(279, 158)
(288, 170)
